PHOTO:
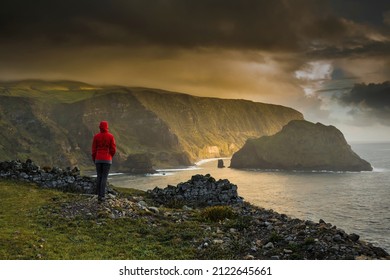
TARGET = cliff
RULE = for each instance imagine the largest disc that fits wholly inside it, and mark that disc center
(54, 122)
(300, 145)
(213, 127)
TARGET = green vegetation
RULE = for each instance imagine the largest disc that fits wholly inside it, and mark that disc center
(217, 213)
(32, 227)
(309, 240)
(275, 237)
(239, 222)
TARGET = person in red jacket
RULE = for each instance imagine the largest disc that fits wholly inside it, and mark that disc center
(103, 150)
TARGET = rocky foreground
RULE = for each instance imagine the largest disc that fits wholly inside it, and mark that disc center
(250, 233)
(232, 228)
(256, 233)
(239, 231)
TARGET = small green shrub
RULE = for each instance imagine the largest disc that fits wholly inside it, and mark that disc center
(217, 213)
(275, 237)
(309, 240)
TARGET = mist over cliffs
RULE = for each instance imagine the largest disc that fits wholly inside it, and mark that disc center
(54, 122)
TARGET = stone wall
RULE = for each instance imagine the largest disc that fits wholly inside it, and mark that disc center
(48, 177)
(201, 190)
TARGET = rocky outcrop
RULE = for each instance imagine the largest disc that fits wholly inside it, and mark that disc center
(138, 164)
(68, 180)
(300, 145)
(199, 191)
(258, 233)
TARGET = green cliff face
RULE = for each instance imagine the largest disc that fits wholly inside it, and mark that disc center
(54, 122)
(300, 145)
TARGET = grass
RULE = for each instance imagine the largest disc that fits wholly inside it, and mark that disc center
(31, 228)
(217, 213)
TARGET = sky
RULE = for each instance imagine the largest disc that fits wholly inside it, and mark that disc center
(329, 59)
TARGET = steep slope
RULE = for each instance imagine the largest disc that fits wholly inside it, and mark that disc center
(53, 130)
(53, 123)
(300, 145)
(23, 131)
(212, 127)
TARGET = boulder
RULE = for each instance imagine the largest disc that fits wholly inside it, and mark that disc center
(300, 145)
(138, 164)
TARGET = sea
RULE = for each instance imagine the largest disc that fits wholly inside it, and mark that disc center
(357, 202)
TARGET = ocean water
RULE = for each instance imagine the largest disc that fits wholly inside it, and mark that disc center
(358, 202)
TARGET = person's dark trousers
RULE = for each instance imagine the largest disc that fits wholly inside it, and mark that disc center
(102, 170)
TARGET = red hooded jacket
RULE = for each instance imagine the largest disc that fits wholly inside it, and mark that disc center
(103, 145)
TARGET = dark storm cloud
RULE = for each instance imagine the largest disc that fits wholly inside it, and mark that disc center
(369, 101)
(105, 22)
(255, 24)
(311, 26)
(361, 10)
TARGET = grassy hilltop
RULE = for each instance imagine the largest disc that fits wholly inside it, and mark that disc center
(53, 122)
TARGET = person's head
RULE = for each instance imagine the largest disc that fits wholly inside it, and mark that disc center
(103, 126)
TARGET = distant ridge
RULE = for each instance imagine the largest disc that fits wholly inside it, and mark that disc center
(37, 84)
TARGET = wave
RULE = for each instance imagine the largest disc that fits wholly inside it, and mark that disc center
(109, 175)
(159, 174)
(203, 161)
(172, 171)
(115, 174)
(178, 169)
(313, 171)
(379, 170)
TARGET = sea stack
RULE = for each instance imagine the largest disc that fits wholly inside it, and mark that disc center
(220, 163)
(303, 146)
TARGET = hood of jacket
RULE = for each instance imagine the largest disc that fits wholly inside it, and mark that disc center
(103, 126)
